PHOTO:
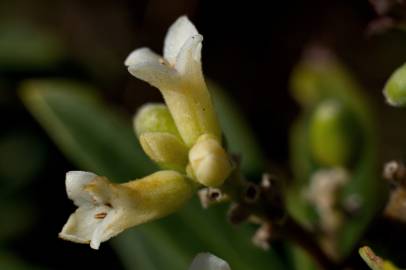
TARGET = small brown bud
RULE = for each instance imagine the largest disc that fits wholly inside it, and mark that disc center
(263, 236)
(396, 207)
(209, 196)
(252, 193)
(395, 171)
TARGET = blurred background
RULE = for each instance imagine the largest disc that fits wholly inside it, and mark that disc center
(250, 48)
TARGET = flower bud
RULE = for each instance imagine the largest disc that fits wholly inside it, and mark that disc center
(333, 134)
(209, 162)
(165, 149)
(154, 117)
(395, 88)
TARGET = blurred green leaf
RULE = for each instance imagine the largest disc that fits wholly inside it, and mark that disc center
(92, 136)
(315, 80)
(10, 262)
(85, 129)
(24, 47)
(299, 258)
(239, 136)
(21, 157)
(19, 217)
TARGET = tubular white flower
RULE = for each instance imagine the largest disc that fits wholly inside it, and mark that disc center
(180, 79)
(106, 209)
(207, 261)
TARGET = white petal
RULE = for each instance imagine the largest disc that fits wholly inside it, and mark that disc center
(81, 225)
(109, 227)
(157, 74)
(179, 32)
(142, 55)
(75, 182)
(188, 60)
(207, 261)
(97, 219)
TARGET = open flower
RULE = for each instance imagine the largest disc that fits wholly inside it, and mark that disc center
(106, 209)
(178, 75)
(185, 134)
(207, 261)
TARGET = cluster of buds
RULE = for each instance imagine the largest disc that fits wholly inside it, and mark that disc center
(182, 136)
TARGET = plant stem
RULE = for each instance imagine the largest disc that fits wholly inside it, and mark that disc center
(269, 208)
(291, 230)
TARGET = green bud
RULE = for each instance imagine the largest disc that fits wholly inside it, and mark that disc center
(154, 117)
(395, 88)
(165, 149)
(305, 84)
(209, 162)
(333, 134)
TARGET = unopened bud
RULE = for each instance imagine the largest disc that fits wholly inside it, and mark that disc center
(395, 88)
(165, 149)
(209, 162)
(154, 117)
(333, 134)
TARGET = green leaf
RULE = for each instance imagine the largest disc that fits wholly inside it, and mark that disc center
(21, 157)
(43, 50)
(240, 138)
(85, 129)
(299, 258)
(314, 81)
(11, 262)
(97, 140)
(20, 214)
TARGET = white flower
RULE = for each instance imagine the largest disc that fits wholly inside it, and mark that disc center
(106, 209)
(207, 261)
(178, 75)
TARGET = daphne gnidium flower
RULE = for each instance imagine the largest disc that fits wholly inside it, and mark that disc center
(106, 209)
(187, 129)
(182, 136)
(178, 75)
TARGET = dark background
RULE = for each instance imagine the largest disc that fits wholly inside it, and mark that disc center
(250, 48)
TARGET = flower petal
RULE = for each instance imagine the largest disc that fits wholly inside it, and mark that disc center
(188, 61)
(157, 74)
(207, 261)
(82, 223)
(75, 182)
(179, 32)
(142, 55)
(109, 227)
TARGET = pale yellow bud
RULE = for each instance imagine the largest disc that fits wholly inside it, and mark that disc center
(209, 162)
(165, 149)
(154, 117)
